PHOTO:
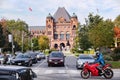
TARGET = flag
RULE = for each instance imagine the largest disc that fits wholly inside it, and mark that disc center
(30, 9)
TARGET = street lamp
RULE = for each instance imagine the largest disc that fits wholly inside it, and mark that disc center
(10, 37)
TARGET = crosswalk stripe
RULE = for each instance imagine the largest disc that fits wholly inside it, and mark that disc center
(61, 71)
(48, 72)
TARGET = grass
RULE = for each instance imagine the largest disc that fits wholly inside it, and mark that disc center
(115, 64)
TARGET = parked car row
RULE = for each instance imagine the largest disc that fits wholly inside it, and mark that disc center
(24, 59)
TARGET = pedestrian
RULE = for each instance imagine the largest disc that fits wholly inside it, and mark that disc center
(5, 59)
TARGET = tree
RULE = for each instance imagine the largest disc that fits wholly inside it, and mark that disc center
(19, 30)
(102, 34)
(117, 21)
(84, 40)
(43, 42)
(2, 37)
(35, 44)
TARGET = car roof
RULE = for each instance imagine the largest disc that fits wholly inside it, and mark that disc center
(12, 68)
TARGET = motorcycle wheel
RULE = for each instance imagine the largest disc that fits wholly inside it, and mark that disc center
(85, 74)
(108, 73)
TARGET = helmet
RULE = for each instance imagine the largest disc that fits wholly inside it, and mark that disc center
(97, 53)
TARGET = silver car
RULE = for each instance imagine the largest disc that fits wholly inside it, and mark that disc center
(82, 59)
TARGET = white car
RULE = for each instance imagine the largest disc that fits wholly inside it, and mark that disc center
(82, 59)
(1, 59)
(40, 55)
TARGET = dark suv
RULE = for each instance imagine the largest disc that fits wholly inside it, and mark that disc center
(56, 58)
(16, 73)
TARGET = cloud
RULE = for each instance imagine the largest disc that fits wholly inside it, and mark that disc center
(14, 9)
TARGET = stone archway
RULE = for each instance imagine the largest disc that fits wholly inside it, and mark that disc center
(55, 46)
(62, 46)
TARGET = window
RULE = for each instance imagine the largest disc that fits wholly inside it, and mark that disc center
(61, 36)
(55, 35)
(67, 35)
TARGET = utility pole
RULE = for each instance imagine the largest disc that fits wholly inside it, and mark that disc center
(22, 40)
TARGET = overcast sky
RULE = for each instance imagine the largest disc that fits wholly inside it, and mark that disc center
(19, 9)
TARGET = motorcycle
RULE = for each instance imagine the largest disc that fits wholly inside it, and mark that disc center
(91, 70)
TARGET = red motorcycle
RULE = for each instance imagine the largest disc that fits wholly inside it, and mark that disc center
(91, 70)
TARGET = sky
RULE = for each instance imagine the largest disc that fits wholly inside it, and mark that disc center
(19, 9)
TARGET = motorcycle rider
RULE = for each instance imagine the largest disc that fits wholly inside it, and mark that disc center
(101, 61)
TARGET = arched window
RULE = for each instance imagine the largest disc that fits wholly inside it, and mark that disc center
(55, 35)
(74, 27)
(55, 46)
(61, 35)
(67, 35)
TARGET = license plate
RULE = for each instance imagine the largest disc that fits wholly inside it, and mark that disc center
(19, 63)
(56, 63)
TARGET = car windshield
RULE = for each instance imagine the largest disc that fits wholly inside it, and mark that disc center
(85, 57)
(56, 55)
(22, 56)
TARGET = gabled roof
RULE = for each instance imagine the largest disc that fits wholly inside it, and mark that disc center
(37, 27)
(61, 12)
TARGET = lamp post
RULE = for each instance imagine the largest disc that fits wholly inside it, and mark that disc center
(10, 37)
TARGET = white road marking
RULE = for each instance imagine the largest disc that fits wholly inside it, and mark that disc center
(48, 72)
(61, 71)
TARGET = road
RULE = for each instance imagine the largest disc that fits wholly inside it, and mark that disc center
(69, 72)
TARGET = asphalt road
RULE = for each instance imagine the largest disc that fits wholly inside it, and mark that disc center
(69, 72)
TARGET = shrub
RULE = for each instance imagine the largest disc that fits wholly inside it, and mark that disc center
(116, 54)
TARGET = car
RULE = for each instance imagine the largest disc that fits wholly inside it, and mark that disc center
(56, 58)
(22, 59)
(40, 56)
(9, 72)
(33, 55)
(82, 59)
(1, 58)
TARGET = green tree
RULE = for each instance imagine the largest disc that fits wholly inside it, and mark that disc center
(84, 40)
(100, 31)
(2, 37)
(19, 30)
(35, 44)
(117, 20)
(43, 42)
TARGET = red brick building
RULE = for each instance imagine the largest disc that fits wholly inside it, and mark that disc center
(61, 29)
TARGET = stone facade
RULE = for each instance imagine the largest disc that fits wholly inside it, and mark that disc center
(61, 29)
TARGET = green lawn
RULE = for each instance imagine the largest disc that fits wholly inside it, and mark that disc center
(115, 64)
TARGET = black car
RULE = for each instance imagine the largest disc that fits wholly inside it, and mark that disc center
(16, 73)
(22, 59)
(33, 56)
(56, 58)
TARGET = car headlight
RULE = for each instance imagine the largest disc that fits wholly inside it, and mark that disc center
(17, 75)
(50, 60)
(61, 60)
(79, 62)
